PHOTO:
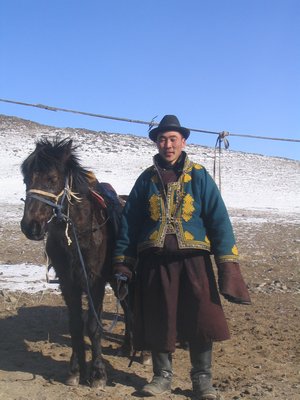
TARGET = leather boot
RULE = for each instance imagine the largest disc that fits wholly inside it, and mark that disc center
(201, 372)
(162, 378)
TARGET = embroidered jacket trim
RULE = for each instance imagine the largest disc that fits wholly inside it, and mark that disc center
(191, 208)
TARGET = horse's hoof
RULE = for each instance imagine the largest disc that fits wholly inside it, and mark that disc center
(98, 376)
(146, 358)
(73, 379)
(99, 384)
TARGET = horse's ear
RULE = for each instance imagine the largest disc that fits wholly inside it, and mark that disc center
(68, 148)
(69, 145)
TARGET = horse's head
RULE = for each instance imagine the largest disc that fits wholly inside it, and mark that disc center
(46, 172)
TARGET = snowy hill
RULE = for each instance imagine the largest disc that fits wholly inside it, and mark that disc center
(249, 181)
(259, 191)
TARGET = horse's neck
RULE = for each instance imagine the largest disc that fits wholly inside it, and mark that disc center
(87, 211)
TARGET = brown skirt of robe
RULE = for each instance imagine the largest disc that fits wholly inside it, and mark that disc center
(176, 299)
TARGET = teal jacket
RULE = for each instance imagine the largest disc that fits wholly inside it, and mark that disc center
(191, 208)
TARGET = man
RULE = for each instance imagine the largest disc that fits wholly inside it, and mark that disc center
(173, 220)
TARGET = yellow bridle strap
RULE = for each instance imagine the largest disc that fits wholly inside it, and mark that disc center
(69, 194)
(48, 194)
(73, 195)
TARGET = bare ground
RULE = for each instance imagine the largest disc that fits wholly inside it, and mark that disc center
(261, 361)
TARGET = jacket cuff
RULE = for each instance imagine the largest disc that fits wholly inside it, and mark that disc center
(129, 261)
(231, 258)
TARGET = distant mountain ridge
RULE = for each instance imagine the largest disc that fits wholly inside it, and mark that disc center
(249, 181)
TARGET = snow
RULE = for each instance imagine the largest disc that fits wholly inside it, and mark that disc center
(269, 187)
(25, 277)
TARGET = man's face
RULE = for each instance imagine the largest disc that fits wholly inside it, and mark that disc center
(170, 145)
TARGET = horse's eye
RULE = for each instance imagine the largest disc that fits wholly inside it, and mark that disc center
(52, 180)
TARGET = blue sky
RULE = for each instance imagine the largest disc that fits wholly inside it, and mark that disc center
(218, 65)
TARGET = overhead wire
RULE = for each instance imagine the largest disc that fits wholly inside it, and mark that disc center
(137, 121)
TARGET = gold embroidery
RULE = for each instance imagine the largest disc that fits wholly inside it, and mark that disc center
(188, 235)
(153, 235)
(154, 207)
(223, 259)
(235, 250)
(197, 166)
(122, 259)
(188, 208)
(207, 240)
(186, 178)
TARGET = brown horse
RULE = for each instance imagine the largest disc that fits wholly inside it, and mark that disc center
(62, 203)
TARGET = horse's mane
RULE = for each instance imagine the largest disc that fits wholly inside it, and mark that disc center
(58, 154)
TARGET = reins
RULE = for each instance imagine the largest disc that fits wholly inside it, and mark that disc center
(58, 213)
(69, 221)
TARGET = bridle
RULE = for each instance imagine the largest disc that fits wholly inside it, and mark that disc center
(57, 204)
(58, 199)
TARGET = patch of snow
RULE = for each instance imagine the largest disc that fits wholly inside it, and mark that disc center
(25, 278)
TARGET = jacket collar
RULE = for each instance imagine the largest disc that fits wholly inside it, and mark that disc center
(179, 166)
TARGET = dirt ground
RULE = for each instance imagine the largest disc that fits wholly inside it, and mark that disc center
(261, 361)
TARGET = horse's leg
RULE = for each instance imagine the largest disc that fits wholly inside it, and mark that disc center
(78, 368)
(98, 376)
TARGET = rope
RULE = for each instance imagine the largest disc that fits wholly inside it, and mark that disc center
(69, 221)
(48, 194)
(221, 139)
(137, 121)
(67, 193)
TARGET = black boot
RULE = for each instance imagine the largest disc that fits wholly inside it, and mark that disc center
(162, 378)
(201, 372)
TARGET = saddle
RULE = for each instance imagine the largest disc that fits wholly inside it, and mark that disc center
(107, 198)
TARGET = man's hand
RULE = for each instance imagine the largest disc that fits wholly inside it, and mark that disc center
(123, 275)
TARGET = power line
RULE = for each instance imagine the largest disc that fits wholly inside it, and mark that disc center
(137, 121)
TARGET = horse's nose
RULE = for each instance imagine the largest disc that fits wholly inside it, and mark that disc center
(33, 230)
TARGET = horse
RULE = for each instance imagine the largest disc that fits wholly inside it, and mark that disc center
(62, 204)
